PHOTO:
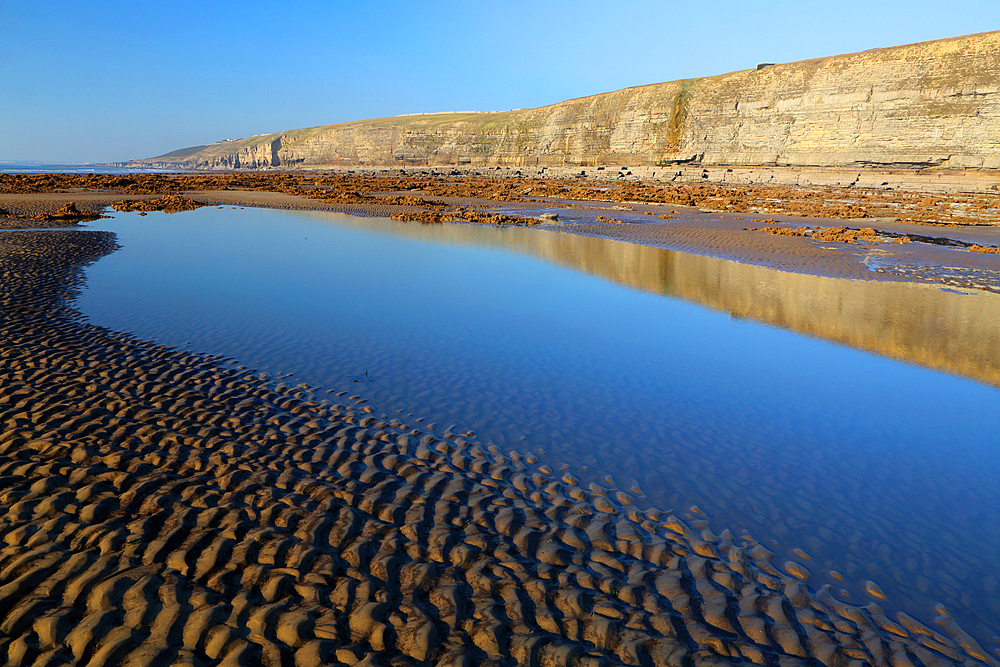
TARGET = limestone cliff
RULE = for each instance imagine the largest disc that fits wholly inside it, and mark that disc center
(930, 104)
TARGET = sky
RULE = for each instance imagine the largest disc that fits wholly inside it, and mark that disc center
(110, 81)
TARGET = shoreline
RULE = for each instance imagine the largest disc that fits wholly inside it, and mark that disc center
(699, 219)
(181, 508)
(925, 180)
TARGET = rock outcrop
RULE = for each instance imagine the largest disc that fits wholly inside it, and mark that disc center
(933, 104)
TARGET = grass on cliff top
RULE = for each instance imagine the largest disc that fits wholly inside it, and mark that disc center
(221, 148)
(423, 121)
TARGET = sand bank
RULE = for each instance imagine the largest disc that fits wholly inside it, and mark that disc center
(163, 507)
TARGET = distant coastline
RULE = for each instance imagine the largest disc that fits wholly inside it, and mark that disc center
(932, 106)
(14, 167)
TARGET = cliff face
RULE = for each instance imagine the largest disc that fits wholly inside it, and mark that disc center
(929, 104)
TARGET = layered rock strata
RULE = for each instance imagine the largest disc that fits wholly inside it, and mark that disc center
(160, 507)
(928, 105)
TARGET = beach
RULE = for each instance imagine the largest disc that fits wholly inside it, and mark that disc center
(718, 219)
(166, 507)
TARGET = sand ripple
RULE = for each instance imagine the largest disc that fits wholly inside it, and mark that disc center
(160, 507)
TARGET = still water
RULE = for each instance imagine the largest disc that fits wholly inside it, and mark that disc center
(856, 421)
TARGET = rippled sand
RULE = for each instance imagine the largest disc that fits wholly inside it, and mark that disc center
(161, 507)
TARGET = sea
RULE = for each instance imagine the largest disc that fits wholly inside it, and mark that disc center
(59, 168)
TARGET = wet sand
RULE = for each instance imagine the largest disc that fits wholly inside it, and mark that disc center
(163, 507)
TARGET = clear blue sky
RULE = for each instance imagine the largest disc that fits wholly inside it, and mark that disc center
(108, 81)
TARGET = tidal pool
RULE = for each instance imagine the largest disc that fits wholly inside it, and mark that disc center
(851, 426)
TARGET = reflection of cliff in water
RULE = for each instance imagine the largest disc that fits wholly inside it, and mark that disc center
(919, 323)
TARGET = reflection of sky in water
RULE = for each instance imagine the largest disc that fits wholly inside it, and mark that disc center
(880, 469)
